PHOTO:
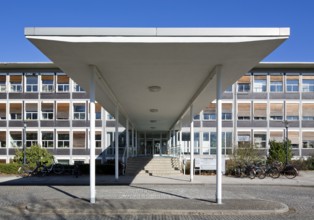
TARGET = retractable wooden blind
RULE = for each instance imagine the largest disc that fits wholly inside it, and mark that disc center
(276, 135)
(2, 78)
(293, 137)
(244, 109)
(79, 139)
(260, 109)
(245, 79)
(295, 77)
(292, 109)
(226, 108)
(46, 77)
(97, 107)
(308, 109)
(211, 108)
(308, 136)
(31, 107)
(15, 79)
(2, 110)
(47, 106)
(2, 136)
(63, 79)
(63, 110)
(15, 108)
(261, 77)
(308, 77)
(276, 109)
(276, 78)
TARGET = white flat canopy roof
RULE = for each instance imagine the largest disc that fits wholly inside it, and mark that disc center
(181, 61)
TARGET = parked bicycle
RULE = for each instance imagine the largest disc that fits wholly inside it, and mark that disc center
(267, 170)
(26, 171)
(56, 168)
(245, 170)
(287, 170)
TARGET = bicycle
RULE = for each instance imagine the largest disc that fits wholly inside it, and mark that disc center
(56, 168)
(26, 171)
(267, 170)
(242, 170)
(288, 170)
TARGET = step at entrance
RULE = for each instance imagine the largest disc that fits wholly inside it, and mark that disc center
(153, 166)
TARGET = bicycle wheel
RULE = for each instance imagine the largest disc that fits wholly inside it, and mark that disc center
(252, 174)
(24, 171)
(58, 168)
(274, 173)
(260, 173)
(290, 172)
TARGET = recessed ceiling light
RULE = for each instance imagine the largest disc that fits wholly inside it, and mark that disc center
(153, 110)
(154, 88)
(152, 127)
(153, 121)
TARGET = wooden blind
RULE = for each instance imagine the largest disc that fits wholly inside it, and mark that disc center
(226, 107)
(276, 109)
(308, 136)
(260, 77)
(63, 79)
(211, 108)
(308, 109)
(2, 78)
(47, 106)
(97, 107)
(3, 110)
(79, 140)
(15, 79)
(293, 137)
(276, 78)
(276, 135)
(15, 108)
(260, 109)
(244, 109)
(292, 109)
(46, 77)
(293, 77)
(63, 111)
(308, 77)
(2, 136)
(31, 107)
(245, 79)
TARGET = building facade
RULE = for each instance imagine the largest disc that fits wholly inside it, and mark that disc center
(39, 104)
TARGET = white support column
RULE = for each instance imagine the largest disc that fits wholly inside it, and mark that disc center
(219, 136)
(92, 138)
(116, 141)
(191, 145)
(136, 144)
(127, 139)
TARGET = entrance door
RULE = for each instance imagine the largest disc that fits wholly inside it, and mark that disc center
(156, 149)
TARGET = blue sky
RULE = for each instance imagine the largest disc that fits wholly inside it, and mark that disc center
(17, 14)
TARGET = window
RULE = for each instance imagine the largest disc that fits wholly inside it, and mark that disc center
(79, 112)
(229, 89)
(196, 117)
(244, 139)
(98, 140)
(259, 85)
(15, 111)
(308, 139)
(206, 143)
(226, 142)
(292, 84)
(3, 111)
(260, 140)
(31, 83)
(294, 138)
(16, 83)
(226, 111)
(31, 139)
(98, 111)
(47, 83)
(79, 140)
(2, 139)
(2, 83)
(276, 83)
(308, 113)
(110, 117)
(16, 139)
(63, 111)
(276, 136)
(260, 112)
(292, 111)
(63, 83)
(308, 85)
(196, 142)
(209, 116)
(244, 84)
(77, 88)
(47, 139)
(63, 140)
(276, 111)
(47, 111)
(31, 111)
(244, 87)
(244, 111)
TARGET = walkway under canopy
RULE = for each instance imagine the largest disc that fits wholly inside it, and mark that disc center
(156, 78)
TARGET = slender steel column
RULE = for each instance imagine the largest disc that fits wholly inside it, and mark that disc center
(92, 138)
(127, 139)
(132, 141)
(219, 136)
(116, 140)
(191, 145)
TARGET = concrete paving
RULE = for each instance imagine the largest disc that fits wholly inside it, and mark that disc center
(172, 205)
